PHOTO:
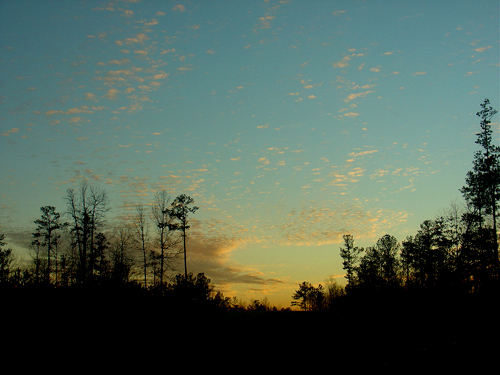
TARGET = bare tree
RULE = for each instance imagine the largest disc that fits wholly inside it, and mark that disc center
(142, 233)
(121, 260)
(164, 222)
(86, 208)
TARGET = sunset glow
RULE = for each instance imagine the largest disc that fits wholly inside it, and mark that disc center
(290, 123)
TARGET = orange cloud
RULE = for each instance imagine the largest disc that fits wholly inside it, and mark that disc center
(11, 131)
(362, 153)
(357, 95)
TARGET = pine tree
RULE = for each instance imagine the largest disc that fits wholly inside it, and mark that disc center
(482, 189)
(47, 226)
(350, 255)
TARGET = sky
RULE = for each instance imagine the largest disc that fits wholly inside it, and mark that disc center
(290, 123)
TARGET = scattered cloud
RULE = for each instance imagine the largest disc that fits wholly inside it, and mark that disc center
(179, 8)
(482, 49)
(362, 153)
(357, 95)
(90, 96)
(112, 94)
(53, 112)
(10, 131)
(342, 63)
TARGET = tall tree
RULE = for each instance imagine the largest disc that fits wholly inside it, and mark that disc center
(141, 234)
(388, 248)
(164, 222)
(87, 208)
(369, 271)
(181, 208)
(47, 227)
(482, 189)
(121, 261)
(350, 256)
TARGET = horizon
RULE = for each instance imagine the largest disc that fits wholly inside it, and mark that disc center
(290, 123)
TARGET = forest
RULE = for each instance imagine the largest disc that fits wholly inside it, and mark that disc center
(433, 293)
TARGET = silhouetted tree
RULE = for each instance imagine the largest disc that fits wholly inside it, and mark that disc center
(309, 298)
(428, 253)
(482, 188)
(164, 222)
(333, 292)
(102, 264)
(6, 260)
(181, 208)
(36, 256)
(87, 208)
(192, 291)
(141, 234)
(350, 255)
(47, 235)
(388, 250)
(370, 270)
(121, 261)
(408, 255)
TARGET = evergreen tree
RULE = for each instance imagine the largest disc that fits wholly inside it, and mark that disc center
(181, 208)
(46, 233)
(482, 189)
(350, 255)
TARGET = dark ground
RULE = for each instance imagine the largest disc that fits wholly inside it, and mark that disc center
(400, 336)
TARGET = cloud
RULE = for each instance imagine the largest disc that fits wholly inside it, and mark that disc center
(73, 111)
(362, 153)
(112, 94)
(350, 114)
(211, 255)
(264, 161)
(11, 131)
(419, 73)
(342, 63)
(482, 49)
(179, 8)
(52, 112)
(357, 95)
(90, 96)
(356, 172)
(312, 226)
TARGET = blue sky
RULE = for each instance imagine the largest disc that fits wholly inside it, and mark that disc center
(289, 122)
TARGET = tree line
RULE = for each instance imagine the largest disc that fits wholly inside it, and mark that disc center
(457, 252)
(76, 250)
(82, 250)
